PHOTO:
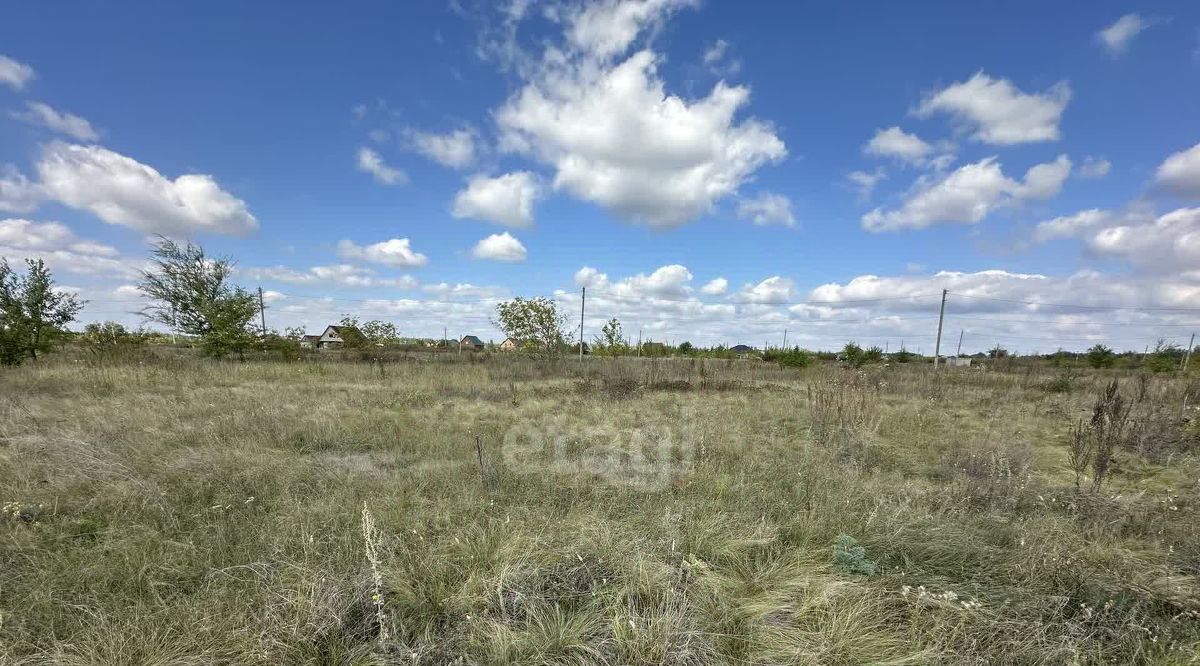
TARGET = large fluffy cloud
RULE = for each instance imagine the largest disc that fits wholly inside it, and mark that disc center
(391, 252)
(995, 111)
(616, 137)
(506, 199)
(1180, 172)
(121, 190)
(968, 195)
(44, 115)
(499, 247)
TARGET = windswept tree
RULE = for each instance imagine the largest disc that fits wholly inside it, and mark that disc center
(192, 293)
(33, 315)
(536, 322)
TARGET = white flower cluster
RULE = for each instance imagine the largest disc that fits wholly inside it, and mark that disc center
(949, 597)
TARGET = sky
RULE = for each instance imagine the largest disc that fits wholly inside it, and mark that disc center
(709, 171)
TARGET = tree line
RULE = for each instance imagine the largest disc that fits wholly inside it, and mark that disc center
(192, 293)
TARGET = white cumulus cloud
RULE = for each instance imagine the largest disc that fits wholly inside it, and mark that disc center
(123, 191)
(1180, 173)
(499, 247)
(968, 195)
(896, 143)
(371, 162)
(774, 290)
(1116, 37)
(506, 200)
(14, 74)
(43, 115)
(767, 208)
(391, 252)
(454, 149)
(616, 137)
(715, 287)
(995, 111)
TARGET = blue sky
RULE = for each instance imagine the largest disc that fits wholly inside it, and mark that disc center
(710, 172)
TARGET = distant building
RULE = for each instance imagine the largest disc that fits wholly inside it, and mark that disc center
(744, 351)
(309, 341)
(957, 361)
(510, 344)
(470, 343)
(335, 336)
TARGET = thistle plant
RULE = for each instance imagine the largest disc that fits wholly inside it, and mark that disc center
(371, 538)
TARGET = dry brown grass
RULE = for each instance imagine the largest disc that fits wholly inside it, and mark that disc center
(653, 512)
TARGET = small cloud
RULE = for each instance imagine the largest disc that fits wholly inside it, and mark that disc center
(499, 247)
(43, 115)
(370, 162)
(864, 182)
(391, 252)
(506, 200)
(767, 208)
(1116, 37)
(715, 287)
(14, 74)
(1094, 167)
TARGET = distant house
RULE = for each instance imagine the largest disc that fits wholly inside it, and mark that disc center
(743, 351)
(510, 344)
(470, 343)
(957, 361)
(336, 336)
(309, 341)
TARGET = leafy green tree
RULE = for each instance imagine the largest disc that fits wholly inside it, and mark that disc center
(536, 322)
(1100, 356)
(111, 338)
(192, 293)
(686, 348)
(1165, 357)
(33, 315)
(853, 354)
(611, 341)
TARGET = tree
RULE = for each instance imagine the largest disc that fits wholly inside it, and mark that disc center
(111, 338)
(33, 315)
(1101, 357)
(686, 348)
(536, 322)
(611, 341)
(192, 293)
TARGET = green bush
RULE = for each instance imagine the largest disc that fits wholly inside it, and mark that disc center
(851, 558)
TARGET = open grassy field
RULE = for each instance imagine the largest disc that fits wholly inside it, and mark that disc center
(176, 511)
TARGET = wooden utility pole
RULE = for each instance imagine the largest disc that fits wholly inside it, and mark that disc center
(937, 348)
(959, 351)
(1187, 356)
(582, 306)
(262, 312)
(639, 349)
(785, 339)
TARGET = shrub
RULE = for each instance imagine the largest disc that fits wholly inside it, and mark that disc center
(851, 558)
